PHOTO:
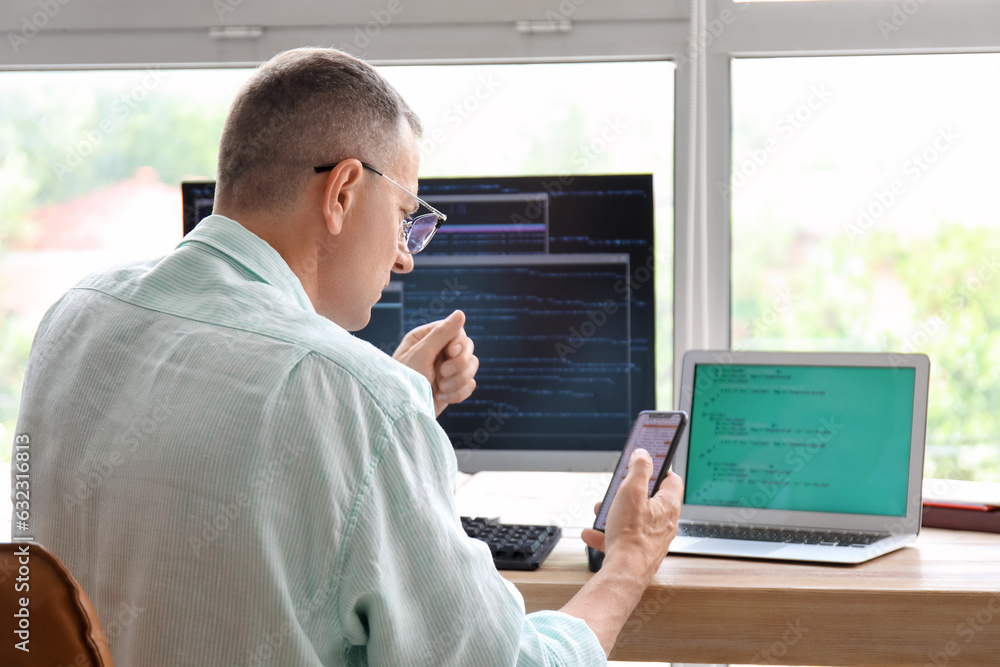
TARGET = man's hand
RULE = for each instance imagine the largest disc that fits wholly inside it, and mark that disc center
(639, 531)
(443, 353)
(639, 527)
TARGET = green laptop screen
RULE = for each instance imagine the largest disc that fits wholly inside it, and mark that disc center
(806, 438)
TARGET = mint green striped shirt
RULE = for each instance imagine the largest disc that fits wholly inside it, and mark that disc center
(236, 480)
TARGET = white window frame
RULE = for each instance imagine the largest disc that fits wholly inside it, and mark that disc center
(138, 33)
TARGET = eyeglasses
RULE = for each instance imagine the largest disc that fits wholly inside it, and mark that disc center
(418, 231)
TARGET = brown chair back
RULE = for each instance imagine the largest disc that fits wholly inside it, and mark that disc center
(52, 619)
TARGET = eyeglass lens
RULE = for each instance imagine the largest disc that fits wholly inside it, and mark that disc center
(420, 232)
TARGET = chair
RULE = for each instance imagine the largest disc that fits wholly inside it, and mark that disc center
(44, 609)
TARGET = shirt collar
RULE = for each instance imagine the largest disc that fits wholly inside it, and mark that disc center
(251, 252)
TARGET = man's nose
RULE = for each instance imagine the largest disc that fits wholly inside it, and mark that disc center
(404, 260)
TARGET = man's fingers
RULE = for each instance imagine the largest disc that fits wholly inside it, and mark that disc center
(457, 394)
(671, 489)
(456, 377)
(463, 344)
(672, 483)
(438, 337)
(593, 538)
(461, 358)
(635, 487)
(416, 335)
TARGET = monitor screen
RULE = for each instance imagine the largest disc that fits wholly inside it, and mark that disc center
(555, 276)
(198, 198)
(805, 438)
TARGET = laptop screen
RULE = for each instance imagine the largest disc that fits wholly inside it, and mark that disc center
(804, 438)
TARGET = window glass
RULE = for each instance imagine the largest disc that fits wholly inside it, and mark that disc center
(91, 162)
(864, 217)
(90, 166)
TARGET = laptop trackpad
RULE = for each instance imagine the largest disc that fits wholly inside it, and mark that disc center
(734, 547)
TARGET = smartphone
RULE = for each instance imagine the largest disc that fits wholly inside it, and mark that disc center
(656, 432)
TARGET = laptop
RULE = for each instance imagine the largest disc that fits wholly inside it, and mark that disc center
(807, 456)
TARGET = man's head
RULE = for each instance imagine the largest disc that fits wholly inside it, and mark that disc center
(303, 108)
(338, 230)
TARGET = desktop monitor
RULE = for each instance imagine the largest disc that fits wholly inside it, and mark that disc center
(555, 276)
(198, 198)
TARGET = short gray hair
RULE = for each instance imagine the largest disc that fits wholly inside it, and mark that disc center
(304, 108)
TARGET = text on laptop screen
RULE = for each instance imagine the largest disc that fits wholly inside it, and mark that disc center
(805, 438)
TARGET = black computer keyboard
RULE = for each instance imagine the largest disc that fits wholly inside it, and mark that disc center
(514, 546)
(786, 535)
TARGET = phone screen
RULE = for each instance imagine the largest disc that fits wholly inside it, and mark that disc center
(657, 433)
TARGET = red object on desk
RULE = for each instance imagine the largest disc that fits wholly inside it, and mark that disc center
(961, 516)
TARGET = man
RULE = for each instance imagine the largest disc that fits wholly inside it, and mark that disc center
(235, 479)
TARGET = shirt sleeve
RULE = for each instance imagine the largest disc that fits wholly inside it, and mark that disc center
(417, 591)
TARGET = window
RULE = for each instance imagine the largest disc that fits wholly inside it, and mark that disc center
(848, 155)
(864, 218)
(90, 167)
(92, 162)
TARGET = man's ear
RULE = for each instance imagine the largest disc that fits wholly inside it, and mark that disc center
(341, 194)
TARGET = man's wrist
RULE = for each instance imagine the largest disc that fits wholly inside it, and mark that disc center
(634, 562)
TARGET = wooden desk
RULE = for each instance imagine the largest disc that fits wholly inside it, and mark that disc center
(934, 603)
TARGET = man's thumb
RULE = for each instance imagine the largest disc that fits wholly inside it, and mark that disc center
(445, 330)
(641, 464)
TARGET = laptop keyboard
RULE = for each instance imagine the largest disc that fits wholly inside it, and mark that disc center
(781, 535)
